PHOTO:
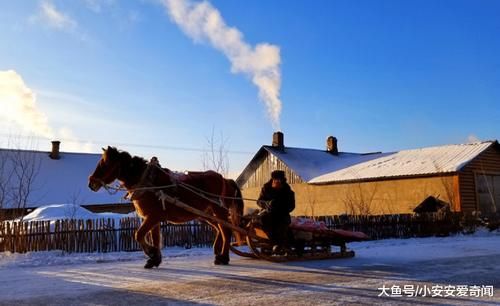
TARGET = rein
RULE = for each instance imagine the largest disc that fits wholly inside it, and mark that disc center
(199, 191)
(195, 190)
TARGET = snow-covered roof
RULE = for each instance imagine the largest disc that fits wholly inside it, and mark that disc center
(64, 180)
(319, 167)
(424, 161)
(312, 163)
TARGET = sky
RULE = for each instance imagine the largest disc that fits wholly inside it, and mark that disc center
(160, 77)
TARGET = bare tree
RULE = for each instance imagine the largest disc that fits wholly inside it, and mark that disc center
(75, 201)
(18, 171)
(5, 177)
(215, 157)
(359, 200)
(310, 209)
(448, 186)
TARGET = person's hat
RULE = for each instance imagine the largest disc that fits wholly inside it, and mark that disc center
(278, 175)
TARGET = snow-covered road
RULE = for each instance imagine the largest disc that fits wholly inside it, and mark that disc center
(188, 276)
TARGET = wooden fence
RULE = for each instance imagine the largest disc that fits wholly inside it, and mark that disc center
(404, 225)
(105, 236)
(101, 235)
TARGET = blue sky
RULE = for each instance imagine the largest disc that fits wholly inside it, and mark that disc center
(378, 75)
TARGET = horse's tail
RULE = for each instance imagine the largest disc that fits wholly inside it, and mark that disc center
(236, 209)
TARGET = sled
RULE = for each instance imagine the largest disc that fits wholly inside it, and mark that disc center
(305, 243)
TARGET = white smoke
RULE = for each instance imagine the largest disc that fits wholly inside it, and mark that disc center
(203, 22)
(473, 139)
(18, 104)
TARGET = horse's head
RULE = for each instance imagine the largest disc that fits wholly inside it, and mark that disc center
(107, 170)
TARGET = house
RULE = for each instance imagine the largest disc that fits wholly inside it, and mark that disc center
(329, 182)
(29, 179)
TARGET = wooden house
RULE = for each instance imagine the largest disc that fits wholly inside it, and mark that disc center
(329, 182)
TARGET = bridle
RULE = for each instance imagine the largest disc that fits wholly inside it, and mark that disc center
(107, 176)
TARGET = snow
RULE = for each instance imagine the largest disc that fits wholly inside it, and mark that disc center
(188, 276)
(311, 163)
(440, 159)
(69, 211)
(480, 243)
(57, 258)
(56, 212)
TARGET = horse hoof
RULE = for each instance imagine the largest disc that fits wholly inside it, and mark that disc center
(220, 263)
(154, 261)
(153, 252)
(221, 260)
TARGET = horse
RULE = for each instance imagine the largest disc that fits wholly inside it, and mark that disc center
(197, 189)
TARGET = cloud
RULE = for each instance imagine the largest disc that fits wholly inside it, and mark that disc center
(49, 16)
(55, 18)
(202, 22)
(97, 6)
(19, 105)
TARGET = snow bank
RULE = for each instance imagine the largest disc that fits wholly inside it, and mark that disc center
(69, 211)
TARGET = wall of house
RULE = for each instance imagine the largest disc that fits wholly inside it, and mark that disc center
(487, 163)
(121, 208)
(263, 172)
(378, 197)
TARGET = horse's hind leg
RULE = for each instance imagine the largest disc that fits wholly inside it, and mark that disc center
(156, 235)
(153, 252)
(155, 259)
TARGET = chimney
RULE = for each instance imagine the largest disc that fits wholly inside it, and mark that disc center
(331, 145)
(278, 141)
(55, 150)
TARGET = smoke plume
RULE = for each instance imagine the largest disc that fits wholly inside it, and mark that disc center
(18, 104)
(203, 22)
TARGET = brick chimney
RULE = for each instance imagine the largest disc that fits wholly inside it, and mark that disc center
(55, 150)
(278, 141)
(331, 145)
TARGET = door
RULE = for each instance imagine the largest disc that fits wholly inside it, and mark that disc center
(488, 192)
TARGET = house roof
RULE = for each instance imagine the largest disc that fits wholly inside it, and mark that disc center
(320, 167)
(312, 163)
(60, 181)
(416, 162)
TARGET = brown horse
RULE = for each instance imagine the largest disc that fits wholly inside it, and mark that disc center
(196, 189)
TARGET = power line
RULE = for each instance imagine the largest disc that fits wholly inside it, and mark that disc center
(105, 143)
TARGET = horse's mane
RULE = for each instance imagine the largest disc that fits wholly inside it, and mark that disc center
(135, 160)
(135, 164)
(126, 157)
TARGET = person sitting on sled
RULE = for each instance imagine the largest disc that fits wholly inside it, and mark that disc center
(277, 201)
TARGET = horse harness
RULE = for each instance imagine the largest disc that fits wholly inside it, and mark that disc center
(146, 184)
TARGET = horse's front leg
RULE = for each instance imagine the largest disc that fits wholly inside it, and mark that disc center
(218, 243)
(223, 257)
(152, 251)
